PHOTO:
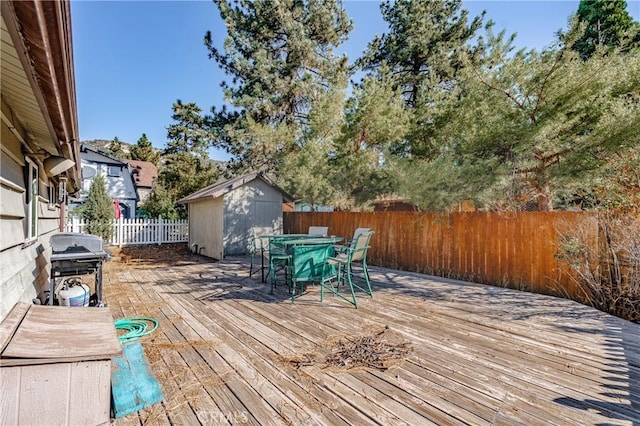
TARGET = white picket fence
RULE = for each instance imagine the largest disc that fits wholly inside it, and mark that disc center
(139, 231)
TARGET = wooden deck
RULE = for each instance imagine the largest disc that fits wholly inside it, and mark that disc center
(227, 351)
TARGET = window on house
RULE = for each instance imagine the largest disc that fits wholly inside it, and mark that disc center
(88, 172)
(32, 199)
(114, 171)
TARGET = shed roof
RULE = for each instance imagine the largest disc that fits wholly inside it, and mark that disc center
(219, 189)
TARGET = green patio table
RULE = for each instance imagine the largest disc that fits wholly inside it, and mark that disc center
(308, 258)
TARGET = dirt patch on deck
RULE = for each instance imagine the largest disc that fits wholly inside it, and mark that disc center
(153, 256)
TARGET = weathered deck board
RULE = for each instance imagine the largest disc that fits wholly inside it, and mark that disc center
(253, 342)
(481, 355)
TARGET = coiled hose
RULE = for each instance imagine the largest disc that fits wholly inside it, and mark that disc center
(136, 327)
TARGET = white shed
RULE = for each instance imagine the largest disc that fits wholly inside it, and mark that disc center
(222, 215)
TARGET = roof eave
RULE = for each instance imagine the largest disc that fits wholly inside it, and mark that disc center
(41, 33)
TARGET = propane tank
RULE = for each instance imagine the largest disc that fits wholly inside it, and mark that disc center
(74, 293)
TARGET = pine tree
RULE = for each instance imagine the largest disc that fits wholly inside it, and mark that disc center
(143, 151)
(607, 23)
(160, 204)
(375, 122)
(184, 173)
(190, 132)
(425, 43)
(279, 55)
(98, 210)
(187, 167)
(529, 126)
(115, 149)
(423, 53)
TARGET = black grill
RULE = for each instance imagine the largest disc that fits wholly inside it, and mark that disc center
(77, 254)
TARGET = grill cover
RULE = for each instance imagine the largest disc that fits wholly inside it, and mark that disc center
(71, 245)
(61, 242)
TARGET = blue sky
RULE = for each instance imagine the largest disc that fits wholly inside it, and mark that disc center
(134, 59)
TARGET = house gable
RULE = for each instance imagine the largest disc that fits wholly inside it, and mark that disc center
(119, 181)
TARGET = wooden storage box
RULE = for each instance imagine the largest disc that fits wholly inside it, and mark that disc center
(55, 365)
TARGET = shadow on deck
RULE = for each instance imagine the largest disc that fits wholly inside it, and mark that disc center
(481, 354)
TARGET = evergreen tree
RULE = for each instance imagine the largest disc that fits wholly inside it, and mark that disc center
(115, 149)
(98, 210)
(425, 43)
(528, 126)
(307, 174)
(423, 53)
(308, 171)
(187, 167)
(160, 204)
(376, 121)
(280, 57)
(606, 23)
(190, 132)
(184, 173)
(143, 151)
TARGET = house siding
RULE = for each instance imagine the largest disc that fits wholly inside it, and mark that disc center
(39, 120)
(12, 193)
(254, 204)
(25, 267)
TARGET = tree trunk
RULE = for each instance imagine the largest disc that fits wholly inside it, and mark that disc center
(545, 199)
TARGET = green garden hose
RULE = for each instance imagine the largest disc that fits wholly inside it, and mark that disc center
(136, 327)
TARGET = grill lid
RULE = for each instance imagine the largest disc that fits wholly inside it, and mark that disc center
(75, 242)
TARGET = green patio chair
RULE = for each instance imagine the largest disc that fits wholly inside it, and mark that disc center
(279, 260)
(338, 269)
(343, 247)
(323, 231)
(259, 246)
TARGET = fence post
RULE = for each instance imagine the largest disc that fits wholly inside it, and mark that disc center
(119, 229)
(160, 230)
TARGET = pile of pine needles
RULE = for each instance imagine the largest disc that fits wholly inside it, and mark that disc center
(369, 351)
(379, 350)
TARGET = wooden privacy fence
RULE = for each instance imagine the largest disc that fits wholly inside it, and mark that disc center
(139, 231)
(517, 250)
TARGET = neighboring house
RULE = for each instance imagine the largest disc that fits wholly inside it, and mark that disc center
(119, 180)
(299, 206)
(394, 204)
(40, 159)
(222, 215)
(144, 174)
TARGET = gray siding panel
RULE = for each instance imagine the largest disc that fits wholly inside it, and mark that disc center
(25, 273)
(254, 204)
(12, 171)
(25, 267)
